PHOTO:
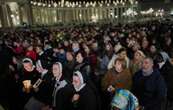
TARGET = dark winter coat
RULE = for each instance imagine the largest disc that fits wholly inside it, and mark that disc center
(62, 99)
(150, 90)
(84, 68)
(68, 69)
(88, 100)
(45, 89)
(167, 73)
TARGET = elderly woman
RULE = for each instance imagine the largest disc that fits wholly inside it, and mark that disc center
(86, 96)
(29, 71)
(29, 77)
(63, 91)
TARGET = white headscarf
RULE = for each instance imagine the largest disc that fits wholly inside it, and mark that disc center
(82, 85)
(30, 61)
(60, 71)
(27, 60)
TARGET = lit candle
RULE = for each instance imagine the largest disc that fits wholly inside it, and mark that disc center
(27, 85)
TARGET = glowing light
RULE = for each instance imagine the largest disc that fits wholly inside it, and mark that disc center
(43, 4)
(35, 3)
(123, 3)
(55, 4)
(17, 17)
(130, 12)
(49, 5)
(94, 18)
(136, 2)
(31, 2)
(39, 3)
(12, 15)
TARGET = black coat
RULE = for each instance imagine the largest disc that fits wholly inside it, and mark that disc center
(45, 89)
(45, 60)
(64, 97)
(68, 69)
(150, 90)
(88, 100)
(167, 73)
(25, 75)
(84, 68)
(33, 75)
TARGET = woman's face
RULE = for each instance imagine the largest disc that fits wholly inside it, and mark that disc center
(86, 49)
(79, 58)
(108, 47)
(30, 48)
(66, 43)
(69, 56)
(137, 56)
(28, 66)
(118, 66)
(145, 44)
(56, 70)
(153, 49)
(75, 45)
(123, 54)
(76, 81)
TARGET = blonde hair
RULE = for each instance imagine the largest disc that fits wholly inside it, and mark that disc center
(123, 62)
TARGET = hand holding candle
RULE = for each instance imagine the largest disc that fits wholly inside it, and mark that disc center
(27, 85)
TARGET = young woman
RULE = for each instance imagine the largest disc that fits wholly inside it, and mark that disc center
(82, 65)
(136, 62)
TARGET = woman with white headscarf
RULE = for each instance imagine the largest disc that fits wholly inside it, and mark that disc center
(63, 91)
(86, 96)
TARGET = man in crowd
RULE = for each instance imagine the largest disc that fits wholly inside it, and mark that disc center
(149, 86)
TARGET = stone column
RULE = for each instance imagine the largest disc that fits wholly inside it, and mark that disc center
(9, 13)
(88, 11)
(4, 14)
(20, 13)
(29, 12)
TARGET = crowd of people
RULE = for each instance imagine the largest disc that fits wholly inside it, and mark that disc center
(88, 67)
